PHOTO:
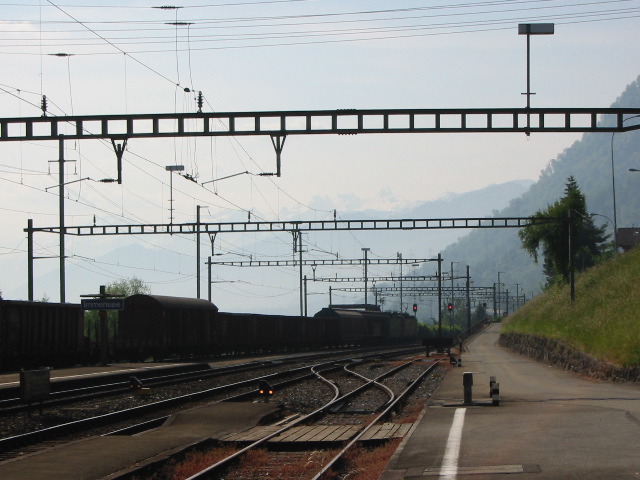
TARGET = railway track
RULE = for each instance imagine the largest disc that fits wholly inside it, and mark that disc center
(147, 409)
(291, 449)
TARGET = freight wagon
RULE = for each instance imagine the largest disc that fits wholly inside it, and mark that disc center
(40, 334)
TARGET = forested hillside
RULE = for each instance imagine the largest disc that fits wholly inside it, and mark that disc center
(588, 160)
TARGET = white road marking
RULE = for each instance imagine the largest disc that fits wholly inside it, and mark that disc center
(449, 468)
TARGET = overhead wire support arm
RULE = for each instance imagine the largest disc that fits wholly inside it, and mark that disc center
(119, 151)
(278, 145)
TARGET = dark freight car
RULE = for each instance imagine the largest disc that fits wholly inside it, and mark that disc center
(355, 327)
(246, 332)
(40, 334)
(158, 326)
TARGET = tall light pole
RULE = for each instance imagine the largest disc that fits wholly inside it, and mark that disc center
(529, 29)
(613, 188)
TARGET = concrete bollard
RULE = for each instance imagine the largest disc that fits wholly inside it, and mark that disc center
(467, 383)
(495, 394)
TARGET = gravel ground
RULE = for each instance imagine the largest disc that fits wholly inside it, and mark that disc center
(299, 398)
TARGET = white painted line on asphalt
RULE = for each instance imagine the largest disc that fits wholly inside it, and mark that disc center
(449, 468)
(482, 470)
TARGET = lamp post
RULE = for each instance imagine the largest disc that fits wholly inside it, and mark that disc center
(529, 29)
(613, 187)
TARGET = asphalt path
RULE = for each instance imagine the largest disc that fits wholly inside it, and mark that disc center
(550, 424)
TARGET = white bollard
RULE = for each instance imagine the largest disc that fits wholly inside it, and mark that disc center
(495, 394)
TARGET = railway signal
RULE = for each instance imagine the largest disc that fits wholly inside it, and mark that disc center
(450, 307)
(415, 307)
(134, 383)
(265, 390)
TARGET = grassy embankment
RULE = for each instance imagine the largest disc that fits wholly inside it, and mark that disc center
(604, 321)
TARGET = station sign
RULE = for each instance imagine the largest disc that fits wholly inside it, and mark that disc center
(102, 303)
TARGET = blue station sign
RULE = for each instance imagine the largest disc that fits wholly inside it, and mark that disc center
(102, 303)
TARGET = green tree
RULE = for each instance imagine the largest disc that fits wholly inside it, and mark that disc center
(587, 240)
(126, 287)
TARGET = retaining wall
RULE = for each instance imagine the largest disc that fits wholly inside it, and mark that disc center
(558, 354)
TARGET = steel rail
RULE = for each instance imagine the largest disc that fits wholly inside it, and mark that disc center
(335, 460)
(210, 472)
(35, 436)
(381, 386)
(9, 443)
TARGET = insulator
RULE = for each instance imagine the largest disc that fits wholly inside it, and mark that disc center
(43, 105)
(200, 102)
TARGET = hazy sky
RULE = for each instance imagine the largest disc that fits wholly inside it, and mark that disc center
(129, 57)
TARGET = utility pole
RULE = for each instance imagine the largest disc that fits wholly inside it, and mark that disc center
(452, 303)
(30, 259)
(439, 295)
(61, 215)
(198, 251)
(306, 306)
(209, 279)
(365, 250)
(400, 261)
(468, 300)
(297, 243)
(499, 300)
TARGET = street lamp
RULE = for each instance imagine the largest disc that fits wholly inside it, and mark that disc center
(529, 29)
(613, 187)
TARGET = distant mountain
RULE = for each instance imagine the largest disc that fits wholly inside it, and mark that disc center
(589, 160)
(477, 203)
(154, 265)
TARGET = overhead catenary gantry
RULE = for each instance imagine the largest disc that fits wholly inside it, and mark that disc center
(280, 226)
(280, 124)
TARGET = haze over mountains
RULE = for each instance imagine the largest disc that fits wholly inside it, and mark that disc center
(158, 267)
(589, 161)
(487, 251)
